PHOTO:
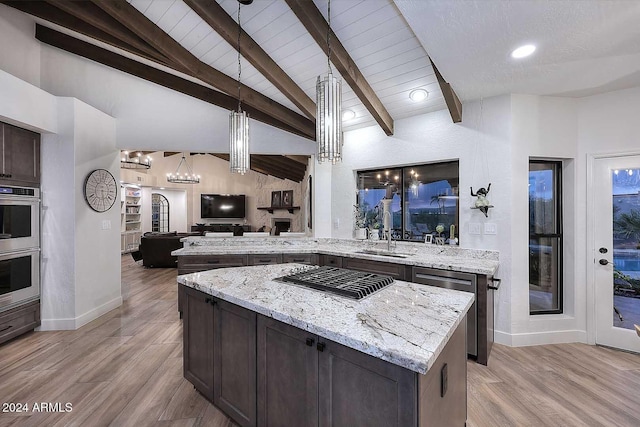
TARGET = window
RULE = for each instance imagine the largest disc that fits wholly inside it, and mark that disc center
(545, 237)
(424, 196)
(159, 213)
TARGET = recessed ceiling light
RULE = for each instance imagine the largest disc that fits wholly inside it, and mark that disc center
(418, 95)
(348, 115)
(523, 51)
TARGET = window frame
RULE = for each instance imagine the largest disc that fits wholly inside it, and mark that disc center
(559, 234)
(402, 182)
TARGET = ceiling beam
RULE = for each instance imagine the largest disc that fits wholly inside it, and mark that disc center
(257, 167)
(135, 21)
(218, 19)
(154, 75)
(50, 13)
(284, 163)
(96, 17)
(453, 102)
(317, 26)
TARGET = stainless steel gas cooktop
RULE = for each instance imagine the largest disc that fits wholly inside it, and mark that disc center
(341, 281)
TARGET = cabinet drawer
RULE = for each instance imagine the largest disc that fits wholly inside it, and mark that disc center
(212, 261)
(264, 259)
(19, 320)
(397, 271)
(300, 258)
(331, 260)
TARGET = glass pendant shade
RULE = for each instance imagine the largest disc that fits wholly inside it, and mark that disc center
(329, 118)
(239, 142)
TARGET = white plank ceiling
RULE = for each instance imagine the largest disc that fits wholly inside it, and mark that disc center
(374, 33)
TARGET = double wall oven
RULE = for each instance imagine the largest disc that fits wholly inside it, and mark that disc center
(19, 245)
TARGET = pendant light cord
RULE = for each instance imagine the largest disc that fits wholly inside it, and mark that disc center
(329, 38)
(239, 63)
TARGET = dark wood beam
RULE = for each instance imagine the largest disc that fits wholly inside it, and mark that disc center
(284, 163)
(170, 153)
(50, 13)
(276, 169)
(96, 17)
(162, 78)
(218, 19)
(135, 21)
(254, 167)
(453, 102)
(300, 159)
(317, 26)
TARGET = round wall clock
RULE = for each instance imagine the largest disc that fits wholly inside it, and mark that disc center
(100, 190)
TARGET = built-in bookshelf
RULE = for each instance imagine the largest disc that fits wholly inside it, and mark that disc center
(130, 217)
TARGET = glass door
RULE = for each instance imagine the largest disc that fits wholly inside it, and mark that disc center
(616, 251)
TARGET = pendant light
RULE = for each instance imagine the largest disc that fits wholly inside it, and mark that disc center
(239, 122)
(328, 110)
(187, 178)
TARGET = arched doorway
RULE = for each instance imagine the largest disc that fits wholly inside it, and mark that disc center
(159, 213)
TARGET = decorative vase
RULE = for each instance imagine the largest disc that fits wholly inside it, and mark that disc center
(361, 233)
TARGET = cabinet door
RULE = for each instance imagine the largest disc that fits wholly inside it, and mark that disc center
(234, 362)
(330, 260)
(21, 155)
(287, 375)
(198, 341)
(356, 389)
(397, 271)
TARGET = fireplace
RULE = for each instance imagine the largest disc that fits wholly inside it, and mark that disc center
(280, 224)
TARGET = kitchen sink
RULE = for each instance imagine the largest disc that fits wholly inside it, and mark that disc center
(382, 253)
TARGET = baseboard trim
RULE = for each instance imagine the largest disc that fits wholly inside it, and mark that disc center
(540, 338)
(75, 323)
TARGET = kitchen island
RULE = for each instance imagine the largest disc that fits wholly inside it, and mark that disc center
(472, 270)
(273, 353)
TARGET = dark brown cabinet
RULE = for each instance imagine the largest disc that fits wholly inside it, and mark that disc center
(198, 341)
(219, 352)
(20, 152)
(330, 260)
(300, 258)
(397, 271)
(356, 389)
(19, 320)
(287, 375)
(234, 362)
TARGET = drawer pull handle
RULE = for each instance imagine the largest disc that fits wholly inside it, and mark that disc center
(310, 342)
(6, 329)
(215, 261)
(299, 260)
(264, 260)
(321, 346)
(496, 287)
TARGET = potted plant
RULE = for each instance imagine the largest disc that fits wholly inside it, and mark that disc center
(359, 223)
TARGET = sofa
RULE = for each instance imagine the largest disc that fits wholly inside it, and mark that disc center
(156, 248)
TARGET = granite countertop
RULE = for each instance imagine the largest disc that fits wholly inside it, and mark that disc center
(432, 256)
(405, 323)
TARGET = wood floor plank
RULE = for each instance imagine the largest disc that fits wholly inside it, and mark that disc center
(125, 369)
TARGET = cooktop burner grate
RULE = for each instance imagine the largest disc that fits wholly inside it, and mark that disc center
(341, 281)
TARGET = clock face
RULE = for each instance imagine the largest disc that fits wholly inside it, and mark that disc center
(100, 190)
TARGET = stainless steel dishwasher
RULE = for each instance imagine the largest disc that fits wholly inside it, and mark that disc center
(460, 282)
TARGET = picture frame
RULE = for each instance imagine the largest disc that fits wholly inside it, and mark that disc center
(287, 199)
(276, 199)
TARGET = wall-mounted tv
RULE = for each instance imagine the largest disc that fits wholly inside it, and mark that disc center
(222, 206)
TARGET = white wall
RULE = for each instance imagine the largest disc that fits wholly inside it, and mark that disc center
(19, 51)
(482, 143)
(77, 285)
(177, 209)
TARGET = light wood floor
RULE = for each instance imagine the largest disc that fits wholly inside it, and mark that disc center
(125, 368)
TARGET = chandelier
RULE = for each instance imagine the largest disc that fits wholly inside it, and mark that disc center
(187, 178)
(239, 122)
(328, 110)
(134, 162)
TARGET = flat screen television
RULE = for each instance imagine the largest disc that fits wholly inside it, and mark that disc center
(222, 206)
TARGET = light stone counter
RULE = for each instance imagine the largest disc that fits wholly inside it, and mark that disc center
(432, 256)
(405, 323)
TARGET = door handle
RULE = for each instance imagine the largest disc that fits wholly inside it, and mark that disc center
(310, 342)
(604, 262)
